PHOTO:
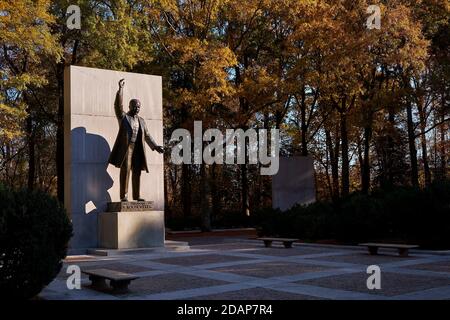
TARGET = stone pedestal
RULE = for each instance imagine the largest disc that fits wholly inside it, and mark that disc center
(131, 229)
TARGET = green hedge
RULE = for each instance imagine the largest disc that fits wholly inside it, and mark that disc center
(34, 233)
(406, 214)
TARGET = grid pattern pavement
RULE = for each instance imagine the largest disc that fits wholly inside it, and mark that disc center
(245, 269)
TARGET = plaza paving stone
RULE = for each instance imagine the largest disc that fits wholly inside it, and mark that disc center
(168, 282)
(243, 269)
(270, 269)
(391, 283)
(227, 246)
(443, 266)
(358, 257)
(283, 252)
(197, 260)
(261, 293)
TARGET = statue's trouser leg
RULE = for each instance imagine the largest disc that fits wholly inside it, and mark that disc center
(137, 159)
(136, 178)
(125, 172)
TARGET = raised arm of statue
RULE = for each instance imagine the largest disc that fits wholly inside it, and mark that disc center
(118, 103)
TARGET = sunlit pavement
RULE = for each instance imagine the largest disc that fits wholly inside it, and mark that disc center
(240, 269)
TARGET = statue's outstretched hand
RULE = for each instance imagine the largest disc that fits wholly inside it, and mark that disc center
(160, 149)
(121, 83)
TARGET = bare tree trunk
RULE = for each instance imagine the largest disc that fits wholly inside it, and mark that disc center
(344, 151)
(167, 208)
(215, 197)
(327, 175)
(443, 133)
(304, 127)
(205, 192)
(31, 152)
(173, 199)
(389, 158)
(243, 107)
(443, 155)
(423, 140)
(186, 190)
(412, 145)
(244, 190)
(334, 155)
(435, 145)
(60, 134)
(360, 159)
(366, 161)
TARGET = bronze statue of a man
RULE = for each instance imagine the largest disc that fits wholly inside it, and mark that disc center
(128, 152)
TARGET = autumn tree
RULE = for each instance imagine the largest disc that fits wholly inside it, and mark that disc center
(26, 41)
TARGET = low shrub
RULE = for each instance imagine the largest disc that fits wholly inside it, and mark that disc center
(228, 219)
(34, 233)
(406, 214)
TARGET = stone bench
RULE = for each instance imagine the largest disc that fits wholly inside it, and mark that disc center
(286, 241)
(403, 249)
(119, 281)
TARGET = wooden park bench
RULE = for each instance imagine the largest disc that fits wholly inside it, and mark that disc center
(286, 241)
(403, 249)
(119, 281)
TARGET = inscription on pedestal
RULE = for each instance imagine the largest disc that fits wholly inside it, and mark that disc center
(125, 206)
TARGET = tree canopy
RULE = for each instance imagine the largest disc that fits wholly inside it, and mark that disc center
(370, 106)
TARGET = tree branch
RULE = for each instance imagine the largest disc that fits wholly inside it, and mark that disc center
(434, 126)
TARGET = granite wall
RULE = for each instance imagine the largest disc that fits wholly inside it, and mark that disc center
(90, 129)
